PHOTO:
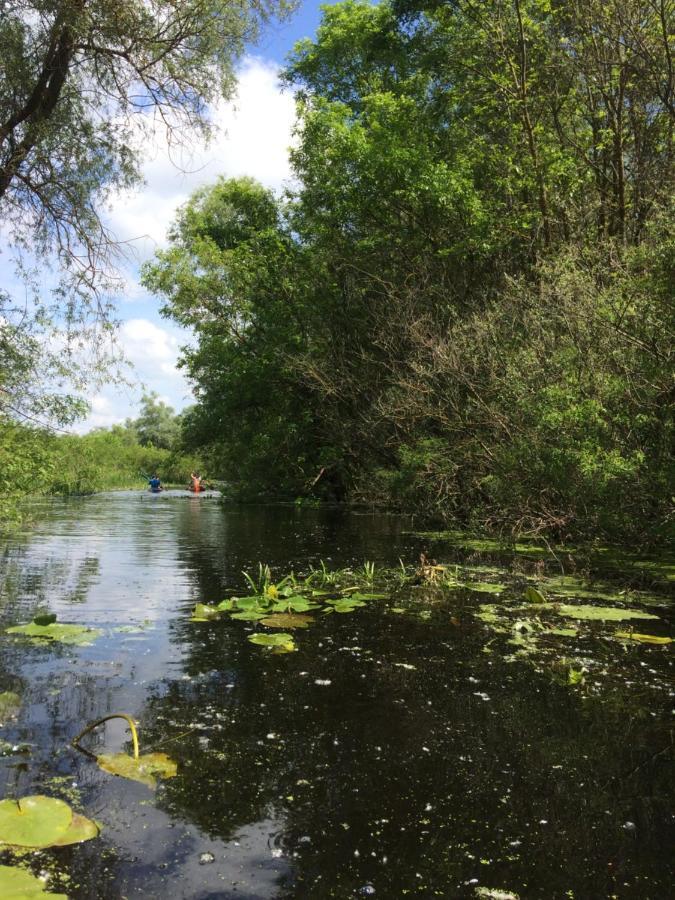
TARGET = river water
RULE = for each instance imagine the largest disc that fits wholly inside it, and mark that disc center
(393, 755)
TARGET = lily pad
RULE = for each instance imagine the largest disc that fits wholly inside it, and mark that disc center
(204, 613)
(34, 821)
(532, 595)
(346, 605)
(488, 613)
(17, 884)
(247, 603)
(146, 768)
(279, 642)
(271, 640)
(248, 615)
(642, 638)
(10, 703)
(78, 635)
(485, 587)
(226, 605)
(294, 604)
(81, 829)
(599, 613)
(287, 620)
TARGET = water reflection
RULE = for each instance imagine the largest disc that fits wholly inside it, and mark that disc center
(388, 755)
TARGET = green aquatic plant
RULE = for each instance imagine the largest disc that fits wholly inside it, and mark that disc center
(17, 884)
(76, 635)
(39, 822)
(204, 613)
(642, 638)
(367, 572)
(286, 620)
(343, 605)
(146, 768)
(10, 703)
(532, 595)
(279, 642)
(597, 613)
(294, 603)
(263, 586)
(323, 576)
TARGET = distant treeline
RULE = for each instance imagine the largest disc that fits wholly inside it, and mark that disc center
(465, 307)
(41, 461)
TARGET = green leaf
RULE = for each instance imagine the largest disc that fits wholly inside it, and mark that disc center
(146, 769)
(204, 613)
(600, 613)
(347, 605)
(17, 884)
(248, 615)
(35, 821)
(532, 595)
(642, 638)
(81, 829)
(247, 603)
(287, 620)
(78, 635)
(226, 605)
(484, 587)
(279, 641)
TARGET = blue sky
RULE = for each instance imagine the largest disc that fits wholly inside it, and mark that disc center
(254, 133)
(279, 38)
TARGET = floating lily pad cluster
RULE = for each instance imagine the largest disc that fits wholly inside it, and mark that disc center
(286, 605)
(531, 623)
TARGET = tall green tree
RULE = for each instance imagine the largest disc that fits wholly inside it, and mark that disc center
(465, 301)
(157, 424)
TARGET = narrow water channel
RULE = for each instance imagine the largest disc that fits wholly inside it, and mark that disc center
(392, 755)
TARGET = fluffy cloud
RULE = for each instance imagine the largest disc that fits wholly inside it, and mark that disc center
(153, 352)
(252, 137)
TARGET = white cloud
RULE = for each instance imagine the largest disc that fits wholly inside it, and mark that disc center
(153, 351)
(253, 134)
(143, 341)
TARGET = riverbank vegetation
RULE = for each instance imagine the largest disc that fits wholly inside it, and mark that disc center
(37, 461)
(463, 308)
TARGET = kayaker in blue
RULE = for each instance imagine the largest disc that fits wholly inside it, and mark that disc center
(155, 484)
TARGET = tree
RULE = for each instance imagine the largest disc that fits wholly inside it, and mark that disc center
(463, 308)
(235, 273)
(80, 78)
(157, 425)
(82, 86)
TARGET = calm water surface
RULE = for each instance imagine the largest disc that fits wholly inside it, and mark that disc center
(389, 757)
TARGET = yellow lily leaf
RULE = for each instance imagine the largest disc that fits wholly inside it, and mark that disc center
(642, 638)
(146, 768)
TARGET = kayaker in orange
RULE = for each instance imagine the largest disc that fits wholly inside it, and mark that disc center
(195, 483)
